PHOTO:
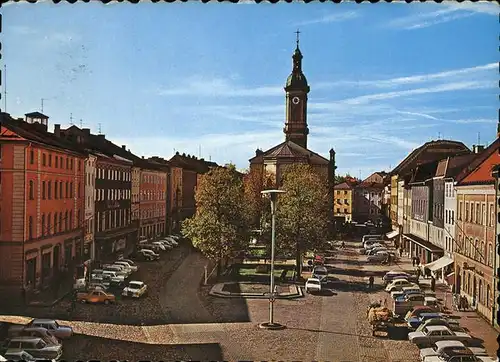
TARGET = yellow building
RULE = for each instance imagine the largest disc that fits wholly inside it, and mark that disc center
(343, 201)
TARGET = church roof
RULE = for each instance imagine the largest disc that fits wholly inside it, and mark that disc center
(288, 149)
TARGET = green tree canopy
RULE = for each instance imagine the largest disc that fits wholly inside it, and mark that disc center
(220, 225)
(302, 212)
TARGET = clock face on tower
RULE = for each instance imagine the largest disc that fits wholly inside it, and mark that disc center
(295, 100)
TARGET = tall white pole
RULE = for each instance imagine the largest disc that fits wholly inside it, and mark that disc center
(273, 223)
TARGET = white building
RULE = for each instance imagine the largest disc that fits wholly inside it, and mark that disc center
(88, 224)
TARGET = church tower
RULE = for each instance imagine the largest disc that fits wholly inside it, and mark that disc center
(296, 89)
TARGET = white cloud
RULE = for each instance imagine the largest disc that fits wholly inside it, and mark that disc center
(402, 81)
(330, 18)
(447, 87)
(218, 87)
(21, 30)
(451, 11)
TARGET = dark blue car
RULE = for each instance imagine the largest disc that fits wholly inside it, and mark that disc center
(414, 322)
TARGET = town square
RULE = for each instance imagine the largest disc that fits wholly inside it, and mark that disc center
(216, 182)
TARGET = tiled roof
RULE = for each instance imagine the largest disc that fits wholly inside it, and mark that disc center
(288, 149)
(476, 162)
(420, 154)
(37, 132)
(373, 185)
(424, 172)
(192, 163)
(450, 167)
(343, 186)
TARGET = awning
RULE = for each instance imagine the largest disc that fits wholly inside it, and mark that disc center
(392, 234)
(423, 243)
(440, 263)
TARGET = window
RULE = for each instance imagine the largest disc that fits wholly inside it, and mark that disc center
(78, 220)
(49, 190)
(66, 220)
(71, 189)
(71, 219)
(472, 214)
(483, 255)
(55, 223)
(79, 165)
(30, 228)
(492, 215)
(50, 160)
(44, 159)
(67, 189)
(60, 221)
(460, 211)
(67, 163)
(49, 231)
(32, 190)
(488, 295)
(79, 189)
(466, 211)
(56, 184)
(483, 214)
(490, 254)
(478, 214)
(71, 164)
(32, 157)
(43, 224)
(57, 162)
(43, 190)
(60, 189)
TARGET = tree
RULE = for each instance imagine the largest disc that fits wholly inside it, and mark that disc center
(220, 226)
(252, 182)
(340, 179)
(302, 212)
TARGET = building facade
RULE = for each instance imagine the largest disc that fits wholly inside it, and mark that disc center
(476, 232)
(152, 207)
(344, 199)
(90, 193)
(41, 206)
(368, 199)
(136, 195)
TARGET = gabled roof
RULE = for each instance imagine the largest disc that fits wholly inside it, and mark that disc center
(37, 132)
(479, 169)
(192, 163)
(36, 115)
(478, 159)
(428, 152)
(367, 184)
(288, 149)
(450, 167)
(343, 186)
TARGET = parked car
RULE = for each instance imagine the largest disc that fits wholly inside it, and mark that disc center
(459, 355)
(378, 257)
(126, 266)
(399, 284)
(432, 334)
(148, 254)
(58, 330)
(391, 275)
(321, 273)
(114, 276)
(35, 347)
(159, 245)
(168, 245)
(96, 296)
(452, 324)
(313, 285)
(406, 290)
(118, 269)
(132, 265)
(173, 241)
(401, 307)
(417, 310)
(15, 355)
(368, 237)
(444, 347)
(415, 322)
(37, 332)
(135, 289)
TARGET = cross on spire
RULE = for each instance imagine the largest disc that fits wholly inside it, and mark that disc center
(297, 32)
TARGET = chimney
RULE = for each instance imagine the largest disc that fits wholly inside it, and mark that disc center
(57, 130)
(86, 131)
(143, 157)
(258, 152)
(477, 148)
(124, 147)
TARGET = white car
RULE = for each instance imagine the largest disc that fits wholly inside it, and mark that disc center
(321, 273)
(432, 334)
(160, 245)
(442, 347)
(378, 257)
(135, 289)
(399, 284)
(313, 285)
(126, 265)
(131, 264)
(171, 240)
(166, 244)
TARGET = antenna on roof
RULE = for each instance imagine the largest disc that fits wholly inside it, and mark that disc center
(99, 129)
(210, 157)
(439, 135)
(81, 123)
(71, 118)
(479, 138)
(5, 88)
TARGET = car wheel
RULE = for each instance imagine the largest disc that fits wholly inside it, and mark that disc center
(106, 301)
(83, 301)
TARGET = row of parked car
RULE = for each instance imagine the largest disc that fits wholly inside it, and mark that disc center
(40, 339)
(375, 248)
(113, 278)
(438, 335)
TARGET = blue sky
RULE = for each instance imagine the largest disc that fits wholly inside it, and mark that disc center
(384, 78)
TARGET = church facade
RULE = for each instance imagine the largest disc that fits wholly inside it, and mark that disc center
(269, 165)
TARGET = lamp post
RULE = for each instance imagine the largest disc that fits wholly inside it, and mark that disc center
(271, 324)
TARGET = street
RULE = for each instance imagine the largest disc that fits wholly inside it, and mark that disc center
(187, 324)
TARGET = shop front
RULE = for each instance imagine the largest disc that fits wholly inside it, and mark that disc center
(115, 245)
(425, 251)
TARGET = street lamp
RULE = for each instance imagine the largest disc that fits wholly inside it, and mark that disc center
(271, 325)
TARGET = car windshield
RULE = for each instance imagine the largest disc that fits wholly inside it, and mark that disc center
(313, 282)
(320, 272)
(135, 285)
